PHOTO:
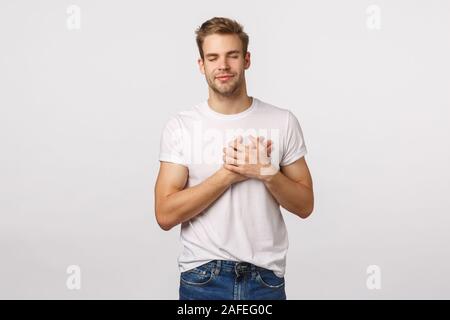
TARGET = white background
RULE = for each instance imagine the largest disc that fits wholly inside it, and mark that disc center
(81, 113)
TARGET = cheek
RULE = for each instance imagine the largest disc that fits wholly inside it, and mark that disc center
(210, 71)
(238, 67)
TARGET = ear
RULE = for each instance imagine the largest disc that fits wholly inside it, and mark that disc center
(247, 61)
(201, 65)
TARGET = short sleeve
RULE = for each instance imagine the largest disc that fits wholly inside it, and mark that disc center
(294, 143)
(171, 144)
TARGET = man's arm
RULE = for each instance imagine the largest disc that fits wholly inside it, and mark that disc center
(292, 187)
(174, 204)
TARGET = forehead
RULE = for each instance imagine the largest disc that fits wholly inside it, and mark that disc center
(221, 43)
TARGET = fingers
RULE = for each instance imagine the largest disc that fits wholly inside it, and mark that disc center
(269, 146)
(230, 160)
(269, 150)
(254, 141)
(235, 169)
(236, 148)
(260, 144)
(242, 148)
(236, 145)
(236, 142)
(230, 151)
(231, 156)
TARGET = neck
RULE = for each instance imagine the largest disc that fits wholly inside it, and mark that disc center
(229, 104)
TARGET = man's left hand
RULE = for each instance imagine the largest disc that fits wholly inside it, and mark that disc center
(252, 160)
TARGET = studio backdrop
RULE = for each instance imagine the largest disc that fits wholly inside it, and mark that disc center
(87, 86)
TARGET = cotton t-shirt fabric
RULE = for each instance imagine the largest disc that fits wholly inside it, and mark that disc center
(245, 223)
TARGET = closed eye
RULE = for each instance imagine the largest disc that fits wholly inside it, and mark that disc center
(233, 57)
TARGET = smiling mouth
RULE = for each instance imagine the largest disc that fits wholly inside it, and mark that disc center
(224, 78)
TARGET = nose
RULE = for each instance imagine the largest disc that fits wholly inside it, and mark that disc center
(223, 64)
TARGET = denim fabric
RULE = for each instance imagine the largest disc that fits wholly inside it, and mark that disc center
(231, 280)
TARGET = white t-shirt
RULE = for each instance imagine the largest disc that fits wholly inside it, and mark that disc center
(245, 223)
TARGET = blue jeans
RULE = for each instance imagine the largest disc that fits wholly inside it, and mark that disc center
(231, 280)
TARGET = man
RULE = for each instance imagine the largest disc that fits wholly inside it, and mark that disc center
(226, 166)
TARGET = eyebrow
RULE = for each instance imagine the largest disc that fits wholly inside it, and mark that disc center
(228, 53)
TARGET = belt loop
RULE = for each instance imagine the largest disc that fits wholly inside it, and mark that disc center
(218, 266)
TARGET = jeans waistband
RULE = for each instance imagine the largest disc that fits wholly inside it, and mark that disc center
(237, 267)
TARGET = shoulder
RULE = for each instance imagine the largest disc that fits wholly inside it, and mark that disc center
(189, 114)
(183, 116)
(277, 112)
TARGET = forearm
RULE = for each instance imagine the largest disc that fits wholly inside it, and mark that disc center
(186, 204)
(294, 197)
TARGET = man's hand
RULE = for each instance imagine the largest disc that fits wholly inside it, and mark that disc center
(252, 161)
(231, 176)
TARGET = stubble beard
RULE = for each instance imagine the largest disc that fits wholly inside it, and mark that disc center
(227, 89)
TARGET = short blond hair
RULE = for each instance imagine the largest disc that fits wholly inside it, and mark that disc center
(220, 25)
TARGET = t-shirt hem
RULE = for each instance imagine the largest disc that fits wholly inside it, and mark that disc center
(294, 158)
(171, 158)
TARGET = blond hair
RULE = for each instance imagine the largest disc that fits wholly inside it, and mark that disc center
(220, 25)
